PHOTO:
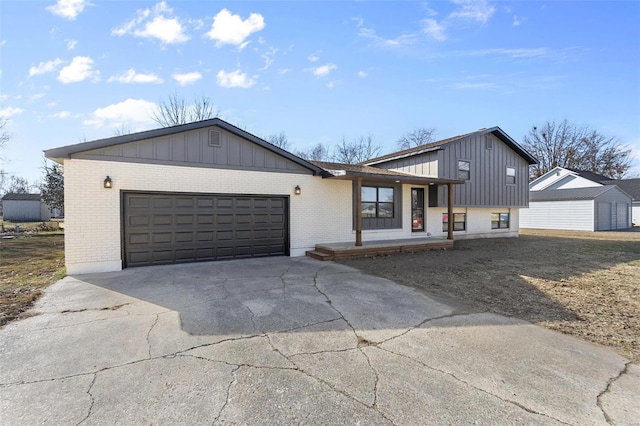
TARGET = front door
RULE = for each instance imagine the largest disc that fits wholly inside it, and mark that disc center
(417, 209)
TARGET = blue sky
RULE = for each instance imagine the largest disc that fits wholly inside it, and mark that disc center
(318, 71)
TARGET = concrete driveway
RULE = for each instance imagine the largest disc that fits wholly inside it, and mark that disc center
(293, 341)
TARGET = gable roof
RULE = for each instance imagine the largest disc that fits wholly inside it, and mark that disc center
(571, 194)
(435, 146)
(58, 154)
(21, 197)
(351, 171)
(589, 175)
(630, 186)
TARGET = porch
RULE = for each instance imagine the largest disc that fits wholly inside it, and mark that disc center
(346, 250)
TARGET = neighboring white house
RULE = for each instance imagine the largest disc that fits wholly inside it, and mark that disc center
(24, 208)
(209, 190)
(631, 187)
(576, 200)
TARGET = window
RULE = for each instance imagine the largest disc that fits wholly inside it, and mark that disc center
(464, 169)
(511, 175)
(417, 209)
(377, 202)
(499, 220)
(459, 222)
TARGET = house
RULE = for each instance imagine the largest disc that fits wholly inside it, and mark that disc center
(576, 200)
(24, 208)
(209, 190)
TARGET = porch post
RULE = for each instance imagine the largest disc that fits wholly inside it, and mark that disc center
(359, 211)
(450, 211)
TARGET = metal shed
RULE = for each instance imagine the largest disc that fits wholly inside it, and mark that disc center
(24, 208)
(600, 208)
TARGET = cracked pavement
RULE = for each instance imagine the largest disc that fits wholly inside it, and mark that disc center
(290, 341)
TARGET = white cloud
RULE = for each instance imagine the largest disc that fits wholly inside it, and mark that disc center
(231, 29)
(401, 40)
(323, 70)
(61, 115)
(518, 21)
(154, 23)
(80, 68)
(362, 74)
(9, 112)
(187, 78)
(268, 58)
(433, 29)
(313, 58)
(132, 113)
(3, 42)
(68, 9)
(131, 76)
(45, 67)
(473, 10)
(36, 96)
(234, 79)
(52, 104)
(71, 44)
(513, 53)
(283, 71)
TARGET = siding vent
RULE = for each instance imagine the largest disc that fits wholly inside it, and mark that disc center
(489, 143)
(215, 138)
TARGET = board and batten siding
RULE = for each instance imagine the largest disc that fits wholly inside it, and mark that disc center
(423, 164)
(575, 215)
(195, 149)
(487, 185)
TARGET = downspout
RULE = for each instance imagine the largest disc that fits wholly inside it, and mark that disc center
(358, 212)
(450, 211)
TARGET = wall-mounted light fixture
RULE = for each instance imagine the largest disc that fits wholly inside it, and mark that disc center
(297, 190)
(107, 182)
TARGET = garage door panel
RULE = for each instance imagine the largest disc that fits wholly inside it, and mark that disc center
(178, 228)
(162, 203)
(162, 220)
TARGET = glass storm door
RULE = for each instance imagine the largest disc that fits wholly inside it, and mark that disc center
(417, 209)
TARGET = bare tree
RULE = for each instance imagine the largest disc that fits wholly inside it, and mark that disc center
(5, 136)
(16, 184)
(318, 152)
(122, 129)
(280, 140)
(420, 136)
(356, 151)
(566, 144)
(175, 111)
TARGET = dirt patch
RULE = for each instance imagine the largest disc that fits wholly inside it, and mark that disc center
(27, 265)
(583, 284)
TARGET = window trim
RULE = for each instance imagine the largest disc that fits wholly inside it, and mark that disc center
(514, 176)
(377, 202)
(445, 225)
(500, 223)
(468, 172)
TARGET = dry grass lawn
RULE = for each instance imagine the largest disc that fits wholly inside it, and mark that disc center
(580, 283)
(27, 265)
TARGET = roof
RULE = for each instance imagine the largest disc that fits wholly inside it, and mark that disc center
(630, 186)
(12, 196)
(435, 146)
(590, 175)
(61, 153)
(570, 194)
(353, 171)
